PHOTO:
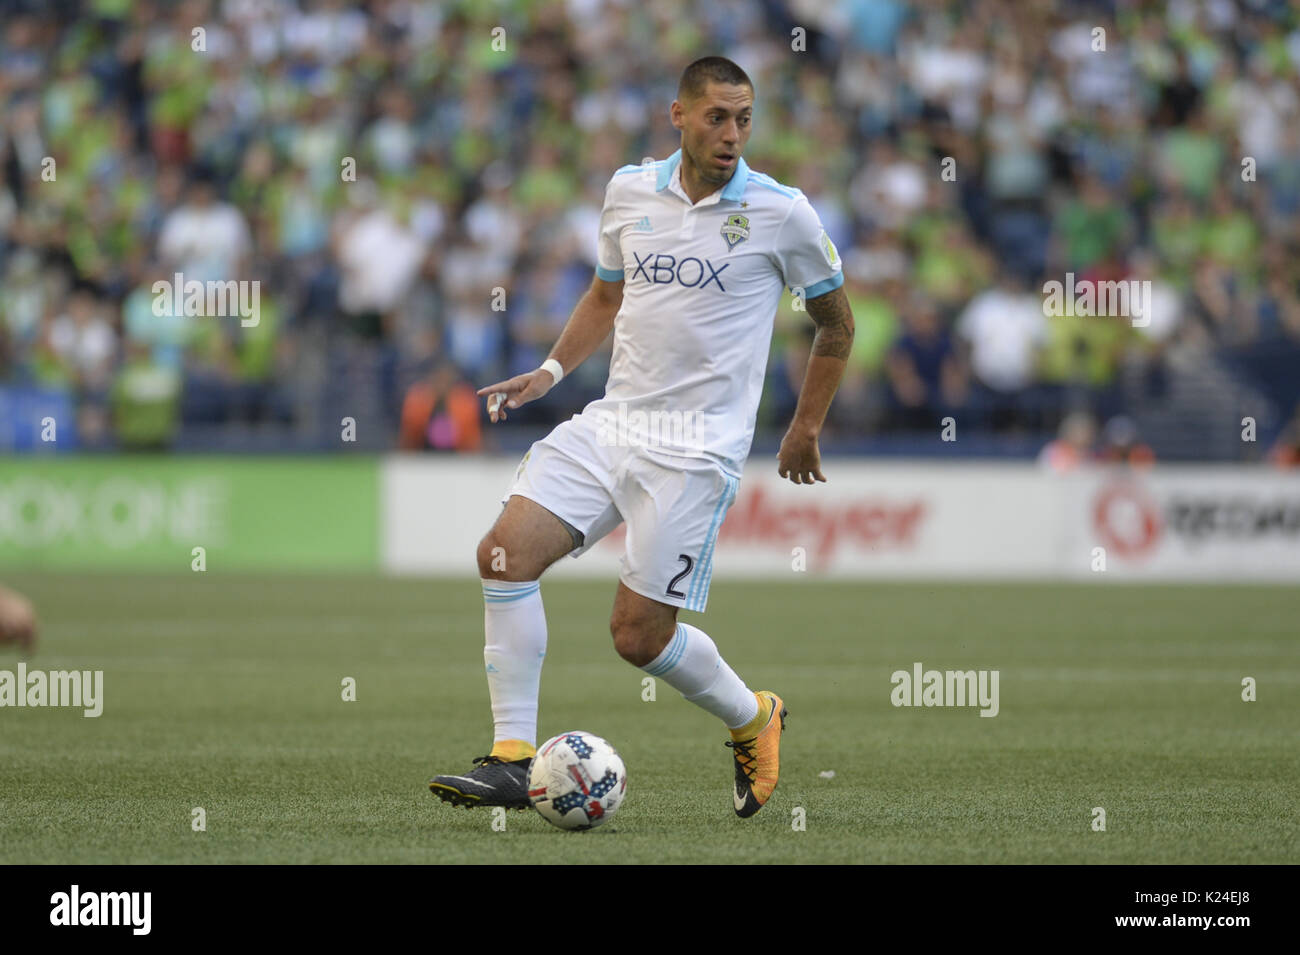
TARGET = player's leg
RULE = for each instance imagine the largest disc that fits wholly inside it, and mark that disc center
(673, 516)
(555, 506)
(641, 627)
(525, 539)
(648, 635)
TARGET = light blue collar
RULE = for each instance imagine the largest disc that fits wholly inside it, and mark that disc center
(733, 190)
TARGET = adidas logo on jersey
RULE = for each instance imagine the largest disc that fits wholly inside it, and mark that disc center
(643, 225)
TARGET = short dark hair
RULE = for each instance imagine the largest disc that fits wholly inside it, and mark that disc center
(717, 69)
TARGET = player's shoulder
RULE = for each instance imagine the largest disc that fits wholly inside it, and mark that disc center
(642, 166)
(764, 184)
(634, 183)
(646, 172)
(757, 189)
(786, 205)
(783, 205)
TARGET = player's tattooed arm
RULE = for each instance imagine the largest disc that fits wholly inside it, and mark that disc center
(799, 459)
(834, 321)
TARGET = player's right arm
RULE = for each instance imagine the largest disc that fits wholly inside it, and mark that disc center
(589, 325)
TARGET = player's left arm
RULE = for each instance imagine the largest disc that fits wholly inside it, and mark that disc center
(799, 458)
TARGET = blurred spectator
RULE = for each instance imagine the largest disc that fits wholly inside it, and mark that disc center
(926, 376)
(862, 394)
(1285, 452)
(378, 259)
(1003, 331)
(441, 413)
(83, 342)
(1092, 229)
(1120, 444)
(145, 401)
(150, 320)
(1074, 445)
(407, 195)
(204, 239)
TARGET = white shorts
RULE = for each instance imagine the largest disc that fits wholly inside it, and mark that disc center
(673, 506)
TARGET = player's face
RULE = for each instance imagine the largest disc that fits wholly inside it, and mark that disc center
(715, 129)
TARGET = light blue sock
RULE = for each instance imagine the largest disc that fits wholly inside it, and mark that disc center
(692, 665)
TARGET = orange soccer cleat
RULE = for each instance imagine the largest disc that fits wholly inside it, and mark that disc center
(758, 757)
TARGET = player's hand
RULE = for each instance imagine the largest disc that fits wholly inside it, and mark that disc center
(519, 390)
(799, 459)
(17, 619)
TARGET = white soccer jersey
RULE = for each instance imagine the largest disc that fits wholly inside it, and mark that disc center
(701, 287)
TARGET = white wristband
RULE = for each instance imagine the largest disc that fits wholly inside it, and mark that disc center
(555, 368)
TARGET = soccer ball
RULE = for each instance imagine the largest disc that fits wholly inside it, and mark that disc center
(577, 781)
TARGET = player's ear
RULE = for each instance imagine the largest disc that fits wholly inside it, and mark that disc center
(676, 114)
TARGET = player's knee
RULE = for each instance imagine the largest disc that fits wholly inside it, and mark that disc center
(492, 564)
(637, 640)
(498, 560)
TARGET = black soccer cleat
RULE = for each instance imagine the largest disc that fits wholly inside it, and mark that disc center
(493, 782)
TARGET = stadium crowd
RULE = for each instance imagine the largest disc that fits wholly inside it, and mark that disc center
(415, 186)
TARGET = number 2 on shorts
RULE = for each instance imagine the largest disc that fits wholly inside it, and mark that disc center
(673, 583)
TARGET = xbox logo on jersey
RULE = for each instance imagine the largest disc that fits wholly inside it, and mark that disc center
(690, 271)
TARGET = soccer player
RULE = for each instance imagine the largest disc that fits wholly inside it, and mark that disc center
(693, 253)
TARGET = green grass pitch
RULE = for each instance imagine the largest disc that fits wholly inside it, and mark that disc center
(225, 692)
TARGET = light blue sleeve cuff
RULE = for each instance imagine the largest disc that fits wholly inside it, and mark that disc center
(609, 275)
(824, 286)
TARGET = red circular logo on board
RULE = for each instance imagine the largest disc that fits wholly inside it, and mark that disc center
(1127, 520)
